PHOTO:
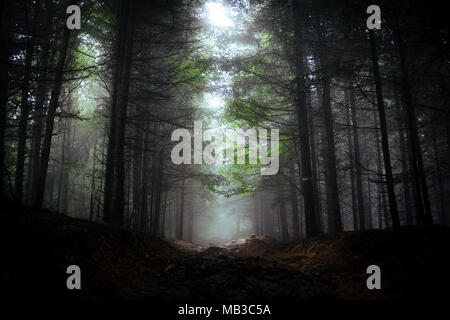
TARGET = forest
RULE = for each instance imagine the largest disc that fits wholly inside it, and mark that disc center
(114, 145)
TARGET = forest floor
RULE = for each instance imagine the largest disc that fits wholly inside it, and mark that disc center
(38, 246)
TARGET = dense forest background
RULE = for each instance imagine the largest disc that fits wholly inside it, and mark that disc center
(86, 115)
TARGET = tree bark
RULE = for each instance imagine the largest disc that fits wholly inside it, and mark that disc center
(4, 80)
(50, 119)
(25, 104)
(5, 44)
(302, 118)
(256, 221)
(115, 173)
(294, 206)
(283, 222)
(314, 161)
(439, 185)
(357, 158)
(405, 167)
(352, 163)
(143, 211)
(331, 185)
(159, 179)
(416, 161)
(181, 215)
(38, 124)
(384, 136)
(164, 213)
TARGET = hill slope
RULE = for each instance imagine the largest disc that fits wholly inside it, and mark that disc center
(37, 247)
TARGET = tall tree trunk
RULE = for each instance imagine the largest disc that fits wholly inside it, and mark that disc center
(67, 159)
(170, 219)
(102, 164)
(357, 158)
(137, 176)
(352, 162)
(366, 201)
(382, 208)
(439, 186)
(269, 227)
(256, 217)
(38, 124)
(302, 119)
(164, 213)
(416, 161)
(294, 206)
(331, 185)
(25, 103)
(177, 215)
(369, 203)
(261, 213)
(119, 204)
(50, 119)
(190, 223)
(159, 178)
(405, 167)
(61, 167)
(115, 172)
(152, 195)
(314, 161)
(283, 222)
(143, 211)
(91, 207)
(384, 135)
(181, 215)
(5, 44)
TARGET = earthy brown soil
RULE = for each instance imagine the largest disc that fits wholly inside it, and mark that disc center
(37, 247)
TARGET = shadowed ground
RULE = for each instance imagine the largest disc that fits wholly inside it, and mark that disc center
(37, 247)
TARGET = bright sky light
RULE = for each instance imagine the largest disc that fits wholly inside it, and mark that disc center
(218, 15)
(213, 101)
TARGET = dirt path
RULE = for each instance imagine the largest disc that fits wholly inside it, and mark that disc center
(120, 264)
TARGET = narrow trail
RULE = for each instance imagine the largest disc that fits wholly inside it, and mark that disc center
(122, 264)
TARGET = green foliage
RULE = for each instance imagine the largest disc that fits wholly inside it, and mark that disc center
(237, 182)
(192, 71)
